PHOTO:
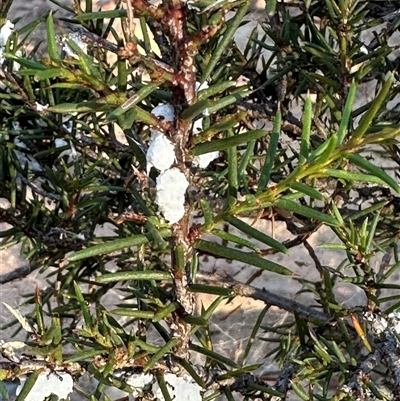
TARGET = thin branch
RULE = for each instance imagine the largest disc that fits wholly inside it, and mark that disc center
(314, 257)
(356, 385)
(213, 377)
(386, 330)
(37, 190)
(263, 295)
(283, 382)
(16, 274)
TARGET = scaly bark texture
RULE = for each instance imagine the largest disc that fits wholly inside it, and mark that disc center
(168, 24)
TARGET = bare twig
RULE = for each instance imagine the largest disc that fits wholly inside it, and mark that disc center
(16, 274)
(386, 331)
(314, 257)
(37, 190)
(95, 41)
(283, 382)
(263, 295)
(161, 40)
(356, 386)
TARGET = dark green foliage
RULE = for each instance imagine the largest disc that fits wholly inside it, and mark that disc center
(79, 162)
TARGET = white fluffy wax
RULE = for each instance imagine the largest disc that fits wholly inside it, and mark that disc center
(171, 188)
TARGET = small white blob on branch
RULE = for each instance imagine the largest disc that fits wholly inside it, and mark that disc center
(5, 32)
(204, 160)
(171, 188)
(161, 152)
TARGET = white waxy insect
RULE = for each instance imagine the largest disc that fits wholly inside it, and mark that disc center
(171, 188)
(161, 152)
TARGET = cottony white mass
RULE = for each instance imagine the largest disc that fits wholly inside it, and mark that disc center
(171, 188)
(161, 152)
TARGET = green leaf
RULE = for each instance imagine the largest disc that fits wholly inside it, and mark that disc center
(371, 233)
(50, 73)
(347, 112)
(376, 171)
(226, 101)
(234, 254)
(306, 132)
(30, 382)
(143, 93)
(306, 211)
(3, 391)
(300, 391)
(83, 107)
(363, 234)
(226, 143)
(336, 213)
(321, 149)
(318, 78)
(113, 246)
(235, 239)
(327, 152)
(245, 161)
(307, 190)
(320, 348)
(335, 349)
(166, 311)
(225, 123)
(339, 247)
(158, 240)
(133, 275)
(270, 7)
(214, 356)
(376, 105)
(240, 371)
(66, 85)
(254, 332)
(215, 89)
(232, 26)
(392, 308)
(145, 116)
(257, 235)
(82, 303)
(233, 184)
(271, 152)
(188, 366)
(161, 353)
(195, 320)
(137, 314)
(211, 289)
(323, 57)
(389, 272)
(266, 390)
(207, 213)
(52, 46)
(24, 62)
(86, 64)
(163, 386)
(348, 176)
(118, 13)
(194, 110)
(83, 355)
